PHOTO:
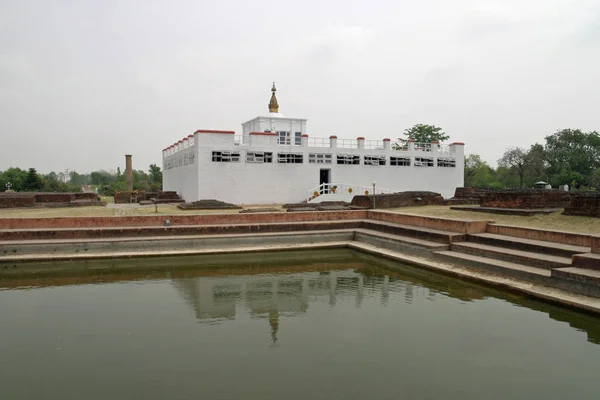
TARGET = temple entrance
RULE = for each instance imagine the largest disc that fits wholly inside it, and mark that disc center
(325, 178)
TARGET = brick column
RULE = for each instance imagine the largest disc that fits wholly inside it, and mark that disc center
(128, 173)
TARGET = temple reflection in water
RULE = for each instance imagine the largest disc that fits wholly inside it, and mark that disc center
(271, 296)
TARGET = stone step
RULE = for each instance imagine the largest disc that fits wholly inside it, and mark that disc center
(587, 261)
(578, 280)
(404, 244)
(16, 249)
(428, 234)
(176, 230)
(517, 256)
(500, 267)
(539, 246)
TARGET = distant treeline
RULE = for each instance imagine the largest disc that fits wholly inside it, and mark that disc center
(106, 182)
(568, 157)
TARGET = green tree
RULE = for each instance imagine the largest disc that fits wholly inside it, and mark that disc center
(422, 133)
(33, 182)
(477, 172)
(155, 174)
(571, 151)
(517, 161)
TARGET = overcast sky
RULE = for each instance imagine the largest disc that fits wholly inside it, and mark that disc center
(84, 82)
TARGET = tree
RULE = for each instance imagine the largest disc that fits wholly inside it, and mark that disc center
(572, 151)
(423, 134)
(516, 160)
(33, 182)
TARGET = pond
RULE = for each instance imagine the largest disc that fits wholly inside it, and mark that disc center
(323, 325)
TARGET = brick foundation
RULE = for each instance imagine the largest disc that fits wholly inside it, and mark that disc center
(529, 199)
(402, 199)
(584, 204)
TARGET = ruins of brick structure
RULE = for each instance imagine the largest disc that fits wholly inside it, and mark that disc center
(48, 200)
(585, 204)
(400, 199)
(128, 173)
(527, 199)
(467, 195)
(135, 196)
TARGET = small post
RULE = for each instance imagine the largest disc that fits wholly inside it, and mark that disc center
(374, 194)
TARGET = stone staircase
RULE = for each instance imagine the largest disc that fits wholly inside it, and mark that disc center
(544, 262)
(566, 266)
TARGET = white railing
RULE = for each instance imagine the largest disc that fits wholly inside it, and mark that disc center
(347, 144)
(340, 192)
(319, 142)
(422, 146)
(238, 140)
(373, 144)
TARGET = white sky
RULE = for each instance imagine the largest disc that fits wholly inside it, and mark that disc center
(83, 82)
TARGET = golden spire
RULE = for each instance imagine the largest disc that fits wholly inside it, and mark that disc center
(273, 105)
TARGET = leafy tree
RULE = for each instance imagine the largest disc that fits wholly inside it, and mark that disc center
(155, 174)
(516, 160)
(423, 134)
(571, 150)
(33, 182)
(477, 172)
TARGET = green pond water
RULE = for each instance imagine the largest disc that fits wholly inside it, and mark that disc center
(318, 325)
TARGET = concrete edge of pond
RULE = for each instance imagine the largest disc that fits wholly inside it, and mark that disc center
(553, 295)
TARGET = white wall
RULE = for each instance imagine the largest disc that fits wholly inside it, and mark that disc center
(182, 179)
(249, 183)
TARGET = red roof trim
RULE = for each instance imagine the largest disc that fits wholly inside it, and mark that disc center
(211, 131)
(190, 136)
(435, 142)
(411, 140)
(387, 140)
(457, 143)
(264, 133)
(304, 135)
(360, 138)
(333, 137)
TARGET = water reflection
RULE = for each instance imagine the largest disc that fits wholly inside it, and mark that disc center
(272, 296)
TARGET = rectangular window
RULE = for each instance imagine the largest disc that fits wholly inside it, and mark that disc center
(374, 160)
(446, 162)
(400, 161)
(348, 159)
(192, 156)
(226, 156)
(259, 157)
(283, 138)
(423, 162)
(316, 158)
(298, 139)
(290, 158)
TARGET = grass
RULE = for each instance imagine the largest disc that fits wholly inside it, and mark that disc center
(112, 210)
(555, 221)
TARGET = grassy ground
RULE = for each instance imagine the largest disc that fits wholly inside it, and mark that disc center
(554, 221)
(111, 210)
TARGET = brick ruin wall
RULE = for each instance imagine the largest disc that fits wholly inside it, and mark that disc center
(22, 199)
(401, 199)
(160, 197)
(584, 205)
(527, 199)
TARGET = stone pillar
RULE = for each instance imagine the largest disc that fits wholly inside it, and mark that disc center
(304, 140)
(128, 173)
(387, 144)
(411, 145)
(360, 142)
(434, 147)
(333, 142)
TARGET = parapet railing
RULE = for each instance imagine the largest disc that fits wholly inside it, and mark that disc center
(343, 190)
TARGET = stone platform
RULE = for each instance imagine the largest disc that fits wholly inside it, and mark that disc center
(556, 266)
(507, 211)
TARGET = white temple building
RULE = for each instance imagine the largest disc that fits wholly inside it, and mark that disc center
(274, 160)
